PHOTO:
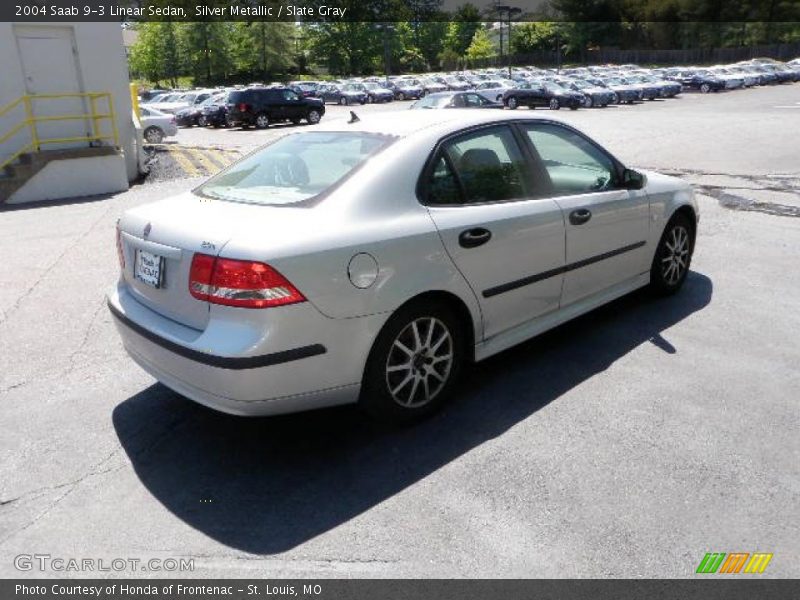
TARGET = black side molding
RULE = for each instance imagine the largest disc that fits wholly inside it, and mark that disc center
(513, 285)
(222, 362)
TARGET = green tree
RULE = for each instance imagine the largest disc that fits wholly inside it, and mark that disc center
(481, 46)
(205, 51)
(263, 49)
(430, 35)
(534, 36)
(347, 48)
(466, 21)
(155, 54)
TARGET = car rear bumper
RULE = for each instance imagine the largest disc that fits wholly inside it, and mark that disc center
(233, 369)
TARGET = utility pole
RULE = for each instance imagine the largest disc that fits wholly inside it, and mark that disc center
(509, 11)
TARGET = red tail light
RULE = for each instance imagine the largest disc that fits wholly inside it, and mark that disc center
(243, 107)
(240, 283)
(120, 251)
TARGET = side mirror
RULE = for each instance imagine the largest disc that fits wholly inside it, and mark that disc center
(633, 180)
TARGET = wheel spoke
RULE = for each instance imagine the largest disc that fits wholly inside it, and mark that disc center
(426, 388)
(429, 338)
(403, 347)
(417, 340)
(438, 359)
(413, 391)
(395, 368)
(439, 342)
(403, 383)
(436, 374)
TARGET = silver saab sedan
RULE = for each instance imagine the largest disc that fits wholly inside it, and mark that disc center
(370, 261)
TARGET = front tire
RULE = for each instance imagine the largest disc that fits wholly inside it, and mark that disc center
(554, 104)
(673, 256)
(512, 103)
(343, 101)
(414, 363)
(705, 88)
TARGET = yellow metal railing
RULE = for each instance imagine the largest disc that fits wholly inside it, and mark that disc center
(37, 141)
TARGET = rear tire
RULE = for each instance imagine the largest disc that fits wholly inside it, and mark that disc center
(313, 117)
(673, 256)
(705, 88)
(153, 135)
(414, 364)
(512, 103)
(262, 121)
(554, 104)
(343, 101)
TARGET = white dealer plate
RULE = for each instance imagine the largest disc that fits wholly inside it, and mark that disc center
(149, 268)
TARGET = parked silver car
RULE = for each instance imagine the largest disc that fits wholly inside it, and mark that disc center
(157, 125)
(371, 261)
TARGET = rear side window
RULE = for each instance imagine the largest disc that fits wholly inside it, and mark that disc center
(480, 166)
(574, 164)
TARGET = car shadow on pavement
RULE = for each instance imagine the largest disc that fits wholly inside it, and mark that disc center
(266, 485)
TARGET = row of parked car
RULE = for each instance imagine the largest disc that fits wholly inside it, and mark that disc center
(260, 105)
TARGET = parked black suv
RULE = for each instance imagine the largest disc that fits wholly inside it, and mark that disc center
(264, 106)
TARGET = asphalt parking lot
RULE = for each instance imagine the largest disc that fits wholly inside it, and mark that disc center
(625, 444)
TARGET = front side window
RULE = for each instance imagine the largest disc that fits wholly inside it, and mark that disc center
(294, 168)
(574, 164)
(481, 166)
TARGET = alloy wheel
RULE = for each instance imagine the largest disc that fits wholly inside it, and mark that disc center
(675, 260)
(262, 121)
(512, 103)
(153, 135)
(419, 362)
(313, 117)
(554, 105)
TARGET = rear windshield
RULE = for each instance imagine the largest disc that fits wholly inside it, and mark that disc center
(294, 168)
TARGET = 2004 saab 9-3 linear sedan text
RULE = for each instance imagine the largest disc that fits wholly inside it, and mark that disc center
(370, 261)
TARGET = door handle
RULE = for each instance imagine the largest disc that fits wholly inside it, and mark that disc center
(580, 216)
(472, 238)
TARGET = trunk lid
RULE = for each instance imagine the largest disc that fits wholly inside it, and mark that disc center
(173, 230)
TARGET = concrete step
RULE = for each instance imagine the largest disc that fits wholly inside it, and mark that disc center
(29, 164)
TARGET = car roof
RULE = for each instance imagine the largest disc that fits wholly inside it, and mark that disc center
(407, 123)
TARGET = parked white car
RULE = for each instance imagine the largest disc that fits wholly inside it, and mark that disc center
(494, 89)
(178, 101)
(371, 261)
(157, 125)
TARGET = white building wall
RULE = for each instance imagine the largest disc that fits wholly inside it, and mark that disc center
(102, 67)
